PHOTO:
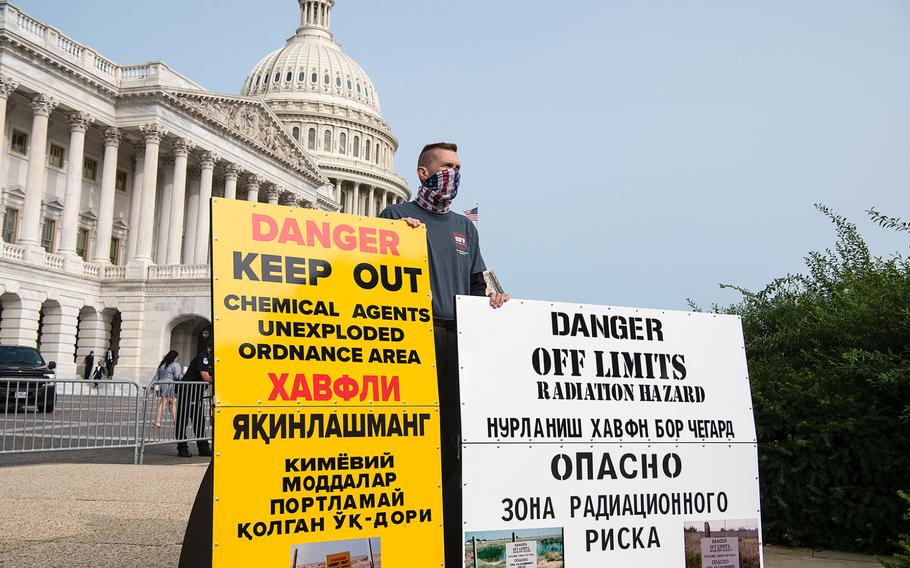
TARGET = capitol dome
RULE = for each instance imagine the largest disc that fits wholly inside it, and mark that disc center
(329, 105)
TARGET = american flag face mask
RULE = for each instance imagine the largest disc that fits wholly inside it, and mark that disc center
(437, 192)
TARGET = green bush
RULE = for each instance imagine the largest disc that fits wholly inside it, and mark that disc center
(902, 557)
(829, 362)
(491, 553)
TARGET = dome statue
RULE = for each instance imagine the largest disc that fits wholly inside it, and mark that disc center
(329, 105)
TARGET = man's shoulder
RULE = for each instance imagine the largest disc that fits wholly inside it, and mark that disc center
(398, 211)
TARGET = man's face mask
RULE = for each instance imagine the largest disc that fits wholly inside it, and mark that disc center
(437, 191)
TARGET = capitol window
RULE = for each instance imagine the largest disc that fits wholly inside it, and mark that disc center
(90, 169)
(327, 142)
(120, 181)
(82, 243)
(311, 139)
(47, 234)
(296, 134)
(338, 81)
(55, 156)
(342, 143)
(257, 79)
(302, 76)
(115, 251)
(356, 146)
(366, 152)
(277, 76)
(325, 79)
(10, 220)
(358, 88)
(289, 76)
(314, 78)
(349, 84)
(376, 156)
(19, 142)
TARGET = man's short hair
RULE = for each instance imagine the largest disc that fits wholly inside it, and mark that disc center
(421, 159)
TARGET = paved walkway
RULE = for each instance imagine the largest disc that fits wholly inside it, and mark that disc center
(114, 515)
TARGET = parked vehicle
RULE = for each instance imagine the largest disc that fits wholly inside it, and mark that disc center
(26, 380)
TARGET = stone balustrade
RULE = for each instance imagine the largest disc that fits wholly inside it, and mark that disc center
(12, 252)
(179, 272)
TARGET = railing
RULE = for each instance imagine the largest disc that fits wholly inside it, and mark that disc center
(12, 252)
(179, 272)
(54, 261)
(91, 270)
(51, 39)
(176, 413)
(135, 71)
(69, 46)
(43, 415)
(113, 272)
(30, 25)
(104, 65)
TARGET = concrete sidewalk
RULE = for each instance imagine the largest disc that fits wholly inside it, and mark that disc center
(114, 515)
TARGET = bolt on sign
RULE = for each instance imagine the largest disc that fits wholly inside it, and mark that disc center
(612, 436)
(326, 407)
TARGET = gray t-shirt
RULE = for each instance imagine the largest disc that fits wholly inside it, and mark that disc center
(454, 253)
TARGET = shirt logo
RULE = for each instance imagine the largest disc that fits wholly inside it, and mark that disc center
(461, 243)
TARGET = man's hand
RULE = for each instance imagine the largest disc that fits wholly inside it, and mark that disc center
(412, 222)
(497, 299)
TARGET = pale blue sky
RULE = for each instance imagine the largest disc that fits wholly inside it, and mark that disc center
(631, 152)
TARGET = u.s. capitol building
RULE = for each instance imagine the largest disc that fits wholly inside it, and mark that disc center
(107, 170)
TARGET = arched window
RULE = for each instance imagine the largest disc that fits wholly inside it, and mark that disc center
(314, 77)
(366, 151)
(296, 133)
(311, 139)
(265, 79)
(349, 83)
(376, 156)
(327, 141)
(358, 87)
(356, 148)
(277, 76)
(302, 76)
(342, 143)
(257, 79)
(325, 78)
(290, 76)
(338, 81)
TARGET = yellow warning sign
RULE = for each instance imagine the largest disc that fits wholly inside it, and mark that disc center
(340, 560)
(327, 417)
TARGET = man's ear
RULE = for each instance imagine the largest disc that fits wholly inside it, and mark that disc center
(422, 173)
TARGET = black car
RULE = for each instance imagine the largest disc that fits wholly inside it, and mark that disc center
(26, 380)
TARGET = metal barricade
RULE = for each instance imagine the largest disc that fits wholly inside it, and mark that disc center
(41, 415)
(175, 412)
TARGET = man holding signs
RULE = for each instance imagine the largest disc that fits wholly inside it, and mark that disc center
(456, 267)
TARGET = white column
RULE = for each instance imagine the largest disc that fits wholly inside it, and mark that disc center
(252, 188)
(153, 134)
(372, 207)
(274, 192)
(178, 201)
(203, 217)
(164, 215)
(355, 201)
(136, 202)
(7, 86)
(72, 197)
(231, 172)
(30, 224)
(102, 254)
(192, 212)
(385, 199)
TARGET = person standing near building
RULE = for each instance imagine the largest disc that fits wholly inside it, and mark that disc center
(109, 363)
(167, 374)
(190, 403)
(88, 361)
(456, 268)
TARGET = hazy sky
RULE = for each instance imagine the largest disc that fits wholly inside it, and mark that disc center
(622, 152)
